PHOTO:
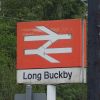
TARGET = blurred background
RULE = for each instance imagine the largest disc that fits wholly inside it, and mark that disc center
(13, 11)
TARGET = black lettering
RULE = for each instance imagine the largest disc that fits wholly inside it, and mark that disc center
(65, 74)
(39, 76)
(56, 75)
(34, 76)
(60, 75)
(24, 77)
(29, 76)
(70, 75)
(51, 75)
(46, 75)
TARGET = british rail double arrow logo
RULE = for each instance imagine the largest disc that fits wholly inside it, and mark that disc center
(43, 50)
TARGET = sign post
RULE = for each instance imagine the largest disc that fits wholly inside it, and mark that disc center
(28, 92)
(51, 92)
(93, 50)
(51, 52)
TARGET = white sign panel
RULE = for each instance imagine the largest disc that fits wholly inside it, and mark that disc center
(52, 76)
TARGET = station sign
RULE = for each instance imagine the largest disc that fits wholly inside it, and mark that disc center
(51, 52)
(50, 44)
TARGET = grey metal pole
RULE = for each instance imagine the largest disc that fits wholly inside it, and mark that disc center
(83, 49)
(28, 92)
(0, 5)
(93, 50)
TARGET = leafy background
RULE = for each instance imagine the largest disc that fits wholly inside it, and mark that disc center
(13, 11)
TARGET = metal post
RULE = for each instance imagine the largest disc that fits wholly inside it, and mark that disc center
(0, 5)
(51, 92)
(93, 50)
(28, 92)
(83, 49)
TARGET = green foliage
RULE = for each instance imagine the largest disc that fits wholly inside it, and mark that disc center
(72, 91)
(14, 11)
(42, 9)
